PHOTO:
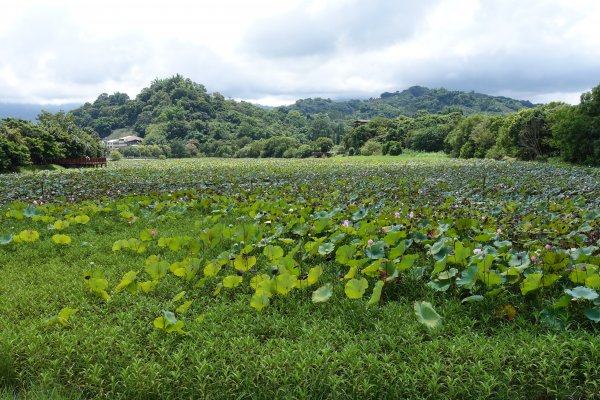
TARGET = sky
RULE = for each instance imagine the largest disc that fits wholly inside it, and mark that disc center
(274, 52)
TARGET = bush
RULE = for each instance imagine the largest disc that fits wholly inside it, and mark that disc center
(371, 148)
(323, 144)
(277, 145)
(303, 151)
(338, 149)
(394, 148)
(351, 151)
(428, 139)
(12, 155)
(251, 150)
(116, 155)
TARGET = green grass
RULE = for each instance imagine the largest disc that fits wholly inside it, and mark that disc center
(407, 155)
(42, 167)
(341, 349)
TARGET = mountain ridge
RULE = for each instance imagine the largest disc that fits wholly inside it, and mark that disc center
(389, 104)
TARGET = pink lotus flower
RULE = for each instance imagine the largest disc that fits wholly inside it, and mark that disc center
(411, 215)
(499, 231)
(153, 232)
(370, 242)
(476, 251)
(534, 258)
(346, 223)
(397, 214)
(548, 247)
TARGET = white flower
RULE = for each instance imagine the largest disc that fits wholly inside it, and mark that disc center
(476, 251)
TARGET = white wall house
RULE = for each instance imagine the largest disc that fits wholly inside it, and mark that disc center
(123, 142)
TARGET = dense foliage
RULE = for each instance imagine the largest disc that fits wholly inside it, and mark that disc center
(182, 115)
(249, 278)
(551, 130)
(409, 102)
(55, 136)
(185, 120)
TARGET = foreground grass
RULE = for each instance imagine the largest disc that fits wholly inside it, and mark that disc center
(292, 349)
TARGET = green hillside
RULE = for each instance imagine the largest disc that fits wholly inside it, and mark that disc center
(409, 102)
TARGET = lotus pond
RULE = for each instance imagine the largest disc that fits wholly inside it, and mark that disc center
(341, 278)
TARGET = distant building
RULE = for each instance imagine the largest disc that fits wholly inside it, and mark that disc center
(360, 122)
(123, 142)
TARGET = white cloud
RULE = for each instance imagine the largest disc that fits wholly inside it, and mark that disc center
(270, 51)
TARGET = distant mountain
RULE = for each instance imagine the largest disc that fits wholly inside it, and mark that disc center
(409, 102)
(29, 112)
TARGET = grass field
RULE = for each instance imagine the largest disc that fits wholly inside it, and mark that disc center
(197, 279)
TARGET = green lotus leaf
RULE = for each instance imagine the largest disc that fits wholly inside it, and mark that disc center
(232, 281)
(592, 314)
(178, 297)
(355, 288)
(593, 281)
(128, 280)
(29, 236)
(376, 250)
(212, 268)
(530, 283)
(61, 224)
(326, 248)
(31, 212)
(314, 274)
(182, 309)
(427, 315)
(273, 252)
(61, 239)
(283, 283)
(439, 285)
(376, 295)
(408, 260)
(148, 286)
(157, 269)
(582, 293)
(322, 294)
(244, 262)
(259, 300)
(344, 254)
(472, 299)
(468, 277)
(6, 239)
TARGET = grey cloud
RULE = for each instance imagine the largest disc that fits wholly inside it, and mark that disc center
(347, 49)
(352, 25)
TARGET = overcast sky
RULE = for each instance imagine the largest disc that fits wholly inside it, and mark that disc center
(276, 51)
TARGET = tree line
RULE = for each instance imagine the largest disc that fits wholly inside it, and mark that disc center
(571, 132)
(179, 118)
(55, 136)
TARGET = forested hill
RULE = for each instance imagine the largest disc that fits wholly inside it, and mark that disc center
(177, 108)
(180, 118)
(409, 102)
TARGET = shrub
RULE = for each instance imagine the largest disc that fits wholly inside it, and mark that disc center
(394, 148)
(370, 148)
(115, 155)
(323, 144)
(338, 149)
